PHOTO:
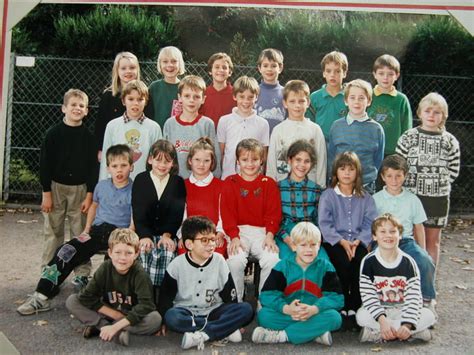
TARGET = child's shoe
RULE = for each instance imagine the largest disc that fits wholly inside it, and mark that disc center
(424, 335)
(191, 340)
(235, 337)
(34, 304)
(325, 339)
(369, 335)
(90, 331)
(267, 336)
(79, 282)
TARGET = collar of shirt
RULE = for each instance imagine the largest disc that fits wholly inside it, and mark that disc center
(378, 91)
(297, 183)
(388, 195)
(159, 184)
(325, 93)
(350, 120)
(201, 183)
(338, 191)
(127, 119)
(242, 119)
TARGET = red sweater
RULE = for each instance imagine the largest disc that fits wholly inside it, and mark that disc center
(256, 203)
(218, 103)
(203, 200)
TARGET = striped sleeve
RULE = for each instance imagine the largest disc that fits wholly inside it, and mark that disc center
(368, 292)
(454, 159)
(402, 145)
(413, 300)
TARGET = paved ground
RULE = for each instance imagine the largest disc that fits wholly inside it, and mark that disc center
(57, 332)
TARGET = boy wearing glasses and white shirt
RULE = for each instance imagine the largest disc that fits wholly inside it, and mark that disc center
(198, 296)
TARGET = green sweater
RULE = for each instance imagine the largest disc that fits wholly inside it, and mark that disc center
(162, 96)
(130, 294)
(393, 112)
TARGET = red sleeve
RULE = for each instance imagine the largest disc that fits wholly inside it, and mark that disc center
(272, 216)
(229, 208)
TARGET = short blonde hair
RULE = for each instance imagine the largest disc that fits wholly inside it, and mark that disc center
(126, 236)
(171, 52)
(250, 145)
(117, 86)
(305, 231)
(388, 61)
(387, 217)
(335, 57)
(246, 83)
(137, 85)
(295, 86)
(196, 83)
(271, 54)
(75, 93)
(361, 84)
(434, 99)
(217, 56)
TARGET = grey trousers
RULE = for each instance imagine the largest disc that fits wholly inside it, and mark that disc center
(148, 326)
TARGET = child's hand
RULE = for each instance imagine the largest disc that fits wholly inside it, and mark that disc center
(181, 244)
(86, 204)
(292, 309)
(403, 333)
(99, 156)
(167, 243)
(354, 246)
(219, 239)
(269, 243)
(234, 246)
(347, 247)
(47, 202)
(387, 332)
(146, 244)
(161, 331)
(306, 311)
(288, 241)
(107, 332)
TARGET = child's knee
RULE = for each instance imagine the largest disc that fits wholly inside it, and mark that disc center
(237, 262)
(269, 260)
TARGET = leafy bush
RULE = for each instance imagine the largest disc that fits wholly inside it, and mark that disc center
(106, 31)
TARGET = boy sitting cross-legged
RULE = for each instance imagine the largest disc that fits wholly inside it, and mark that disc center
(392, 305)
(119, 298)
(111, 208)
(301, 297)
(198, 296)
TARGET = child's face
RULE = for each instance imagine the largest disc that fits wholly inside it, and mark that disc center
(385, 77)
(249, 164)
(75, 110)
(201, 163)
(202, 247)
(393, 180)
(191, 99)
(346, 175)
(169, 68)
(387, 236)
(296, 103)
(431, 118)
(245, 102)
(306, 252)
(357, 102)
(134, 104)
(300, 165)
(160, 165)
(127, 71)
(119, 169)
(334, 75)
(220, 71)
(123, 256)
(270, 71)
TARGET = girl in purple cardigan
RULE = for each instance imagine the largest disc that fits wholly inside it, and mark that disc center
(345, 217)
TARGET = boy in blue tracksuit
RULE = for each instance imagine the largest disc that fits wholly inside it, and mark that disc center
(301, 297)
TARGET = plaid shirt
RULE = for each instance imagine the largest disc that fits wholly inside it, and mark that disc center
(127, 119)
(299, 201)
(156, 261)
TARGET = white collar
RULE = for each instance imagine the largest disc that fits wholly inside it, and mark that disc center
(338, 191)
(201, 183)
(350, 120)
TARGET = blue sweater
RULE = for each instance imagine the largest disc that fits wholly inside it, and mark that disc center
(366, 139)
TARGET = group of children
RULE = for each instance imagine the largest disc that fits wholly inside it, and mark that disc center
(331, 258)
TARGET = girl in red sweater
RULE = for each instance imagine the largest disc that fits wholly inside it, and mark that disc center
(251, 214)
(203, 190)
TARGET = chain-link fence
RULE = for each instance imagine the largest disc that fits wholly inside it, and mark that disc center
(36, 95)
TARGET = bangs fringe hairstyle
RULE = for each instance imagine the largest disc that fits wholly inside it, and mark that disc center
(295, 86)
(174, 53)
(361, 84)
(386, 217)
(119, 150)
(217, 56)
(395, 162)
(351, 159)
(203, 143)
(302, 145)
(305, 231)
(195, 225)
(388, 61)
(271, 54)
(137, 85)
(75, 93)
(434, 99)
(249, 145)
(246, 83)
(196, 83)
(117, 86)
(164, 148)
(335, 57)
(126, 236)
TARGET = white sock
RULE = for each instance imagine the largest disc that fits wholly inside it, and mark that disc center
(283, 336)
(41, 296)
(351, 313)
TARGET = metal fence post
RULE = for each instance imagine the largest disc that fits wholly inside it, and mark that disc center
(8, 141)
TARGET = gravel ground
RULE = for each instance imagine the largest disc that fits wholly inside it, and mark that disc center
(57, 332)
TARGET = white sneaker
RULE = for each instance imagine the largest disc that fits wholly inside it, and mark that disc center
(424, 335)
(267, 336)
(34, 304)
(369, 335)
(191, 340)
(325, 339)
(235, 337)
